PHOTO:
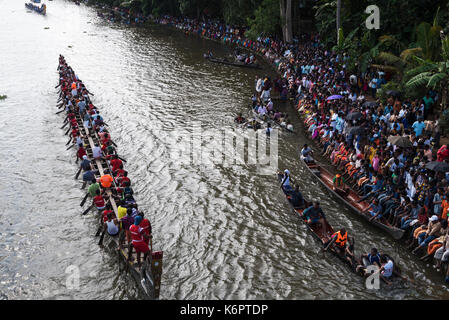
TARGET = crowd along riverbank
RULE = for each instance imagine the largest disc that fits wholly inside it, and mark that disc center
(372, 131)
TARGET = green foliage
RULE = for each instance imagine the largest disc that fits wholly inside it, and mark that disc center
(3, 97)
(391, 85)
(237, 11)
(266, 19)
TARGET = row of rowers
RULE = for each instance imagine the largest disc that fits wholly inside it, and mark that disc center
(115, 178)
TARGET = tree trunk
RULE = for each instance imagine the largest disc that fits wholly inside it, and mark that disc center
(282, 6)
(289, 36)
(286, 20)
(444, 97)
(338, 19)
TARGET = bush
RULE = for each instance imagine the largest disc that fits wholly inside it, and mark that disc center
(391, 85)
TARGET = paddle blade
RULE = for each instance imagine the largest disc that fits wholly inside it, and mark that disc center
(78, 173)
(98, 231)
(84, 200)
(88, 209)
(101, 238)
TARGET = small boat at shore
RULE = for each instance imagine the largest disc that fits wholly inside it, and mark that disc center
(231, 63)
(41, 10)
(323, 237)
(351, 199)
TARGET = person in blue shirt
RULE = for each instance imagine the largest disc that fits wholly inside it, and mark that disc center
(285, 184)
(374, 210)
(418, 126)
(297, 199)
(314, 215)
(373, 257)
(371, 188)
(408, 218)
(388, 109)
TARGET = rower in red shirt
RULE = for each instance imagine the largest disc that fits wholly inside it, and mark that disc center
(146, 228)
(74, 132)
(137, 236)
(99, 202)
(124, 179)
(107, 211)
(116, 163)
(106, 138)
(81, 152)
(119, 172)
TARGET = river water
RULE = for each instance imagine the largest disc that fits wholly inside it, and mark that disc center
(226, 232)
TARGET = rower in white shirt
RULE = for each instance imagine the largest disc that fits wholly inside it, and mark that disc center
(96, 151)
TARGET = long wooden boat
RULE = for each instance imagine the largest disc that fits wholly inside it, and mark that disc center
(41, 10)
(351, 198)
(148, 277)
(236, 64)
(324, 237)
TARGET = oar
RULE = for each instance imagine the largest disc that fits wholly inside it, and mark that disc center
(67, 131)
(101, 238)
(98, 231)
(84, 200)
(88, 209)
(64, 125)
(113, 143)
(121, 159)
(69, 142)
(60, 111)
(78, 173)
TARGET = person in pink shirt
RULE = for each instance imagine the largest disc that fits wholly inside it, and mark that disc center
(376, 162)
(428, 152)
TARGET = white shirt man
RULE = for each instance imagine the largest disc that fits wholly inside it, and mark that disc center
(270, 105)
(388, 269)
(265, 94)
(259, 85)
(96, 151)
(262, 110)
(353, 97)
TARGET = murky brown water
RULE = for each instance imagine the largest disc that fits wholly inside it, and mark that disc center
(226, 232)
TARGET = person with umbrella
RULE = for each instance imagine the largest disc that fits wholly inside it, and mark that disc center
(400, 141)
(438, 166)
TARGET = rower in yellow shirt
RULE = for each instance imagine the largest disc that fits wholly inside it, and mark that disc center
(121, 211)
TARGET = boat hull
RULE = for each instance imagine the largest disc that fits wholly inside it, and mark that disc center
(350, 199)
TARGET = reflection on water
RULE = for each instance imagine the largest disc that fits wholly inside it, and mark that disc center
(227, 233)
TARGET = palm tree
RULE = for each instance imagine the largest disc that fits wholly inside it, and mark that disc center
(430, 74)
(395, 64)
